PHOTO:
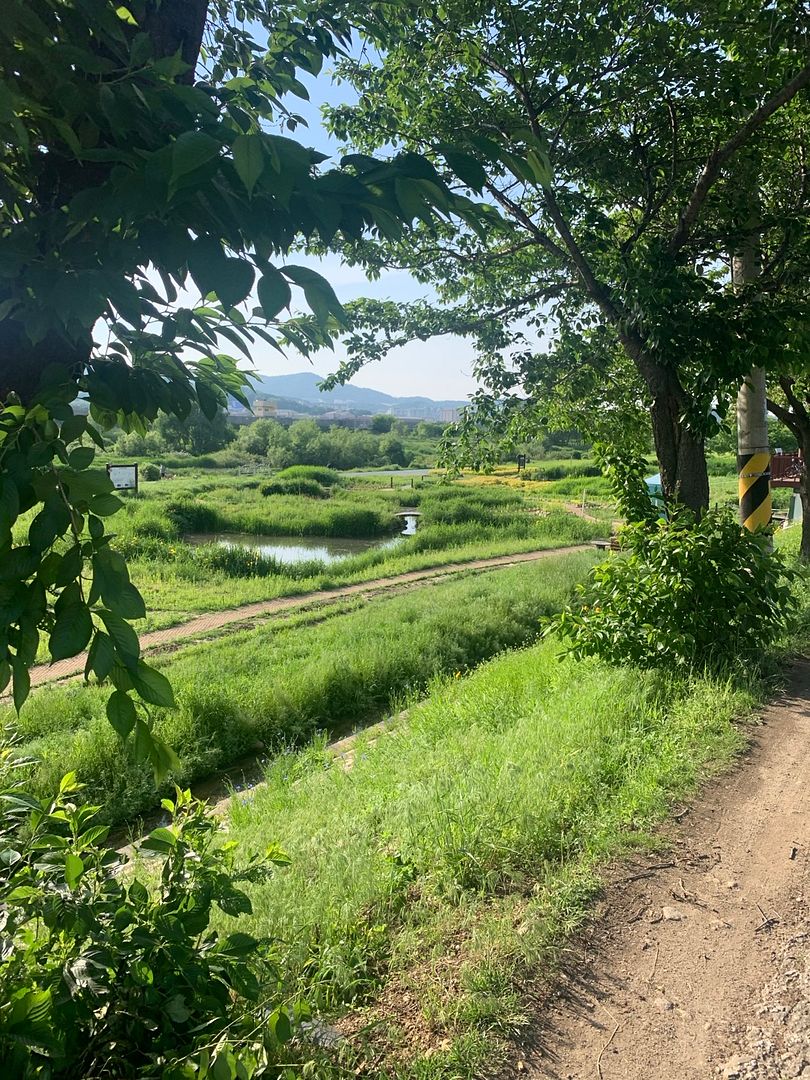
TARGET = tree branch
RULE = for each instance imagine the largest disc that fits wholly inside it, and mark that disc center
(719, 156)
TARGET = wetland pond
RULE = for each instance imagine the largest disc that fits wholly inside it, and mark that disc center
(296, 549)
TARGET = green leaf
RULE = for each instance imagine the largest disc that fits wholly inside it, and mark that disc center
(319, 293)
(234, 280)
(274, 292)
(71, 632)
(223, 1066)
(467, 169)
(141, 973)
(53, 520)
(138, 893)
(411, 200)
(101, 657)
(280, 1025)
(161, 840)
(190, 151)
(153, 686)
(126, 15)
(121, 713)
(177, 1010)
(248, 159)
(22, 683)
(122, 634)
(540, 166)
(238, 944)
(105, 505)
(81, 457)
(74, 868)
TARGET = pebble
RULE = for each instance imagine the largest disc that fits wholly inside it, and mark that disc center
(672, 914)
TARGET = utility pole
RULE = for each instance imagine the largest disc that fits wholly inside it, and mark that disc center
(753, 450)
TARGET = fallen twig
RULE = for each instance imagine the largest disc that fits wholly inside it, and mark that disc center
(604, 1048)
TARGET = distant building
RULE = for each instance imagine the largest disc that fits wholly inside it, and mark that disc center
(264, 410)
(449, 416)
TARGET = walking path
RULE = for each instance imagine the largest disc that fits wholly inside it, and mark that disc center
(698, 964)
(215, 620)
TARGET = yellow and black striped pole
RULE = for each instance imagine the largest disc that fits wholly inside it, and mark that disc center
(753, 453)
(755, 489)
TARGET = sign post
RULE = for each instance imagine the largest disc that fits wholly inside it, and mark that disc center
(521, 459)
(124, 477)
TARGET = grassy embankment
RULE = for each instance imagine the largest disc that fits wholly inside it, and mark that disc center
(448, 865)
(279, 684)
(459, 522)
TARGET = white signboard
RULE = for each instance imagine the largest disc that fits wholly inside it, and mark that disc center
(124, 477)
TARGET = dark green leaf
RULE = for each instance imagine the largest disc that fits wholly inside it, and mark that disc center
(121, 713)
(71, 632)
(274, 292)
(248, 158)
(152, 686)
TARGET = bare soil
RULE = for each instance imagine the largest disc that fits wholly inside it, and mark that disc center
(697, 964)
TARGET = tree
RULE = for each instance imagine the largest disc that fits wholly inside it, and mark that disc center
(611, 137)
(144, 199)
(391, 448)
(382, 423)
(195, 433)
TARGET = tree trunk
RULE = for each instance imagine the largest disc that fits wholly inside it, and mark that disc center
(680, 451)
(753, 449)
(804, 495)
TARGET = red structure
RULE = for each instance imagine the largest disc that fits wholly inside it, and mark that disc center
(786, 470)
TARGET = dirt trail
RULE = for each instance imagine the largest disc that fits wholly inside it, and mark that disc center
(216, 620)
(698, 964)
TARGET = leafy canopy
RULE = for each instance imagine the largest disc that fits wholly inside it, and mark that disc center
(147, 197)
(623, 145)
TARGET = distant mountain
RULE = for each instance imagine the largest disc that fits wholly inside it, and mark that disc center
(303, 388)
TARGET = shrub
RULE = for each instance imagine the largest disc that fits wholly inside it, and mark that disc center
(562, 472)
(322, 475)
(685, 595)
(187, 516)
(110, 971)
(149, 471)
(301, 486)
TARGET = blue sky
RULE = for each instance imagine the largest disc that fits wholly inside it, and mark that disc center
(440, 368)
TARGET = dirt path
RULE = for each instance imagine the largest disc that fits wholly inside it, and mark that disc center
(205, 624)
(701, 968)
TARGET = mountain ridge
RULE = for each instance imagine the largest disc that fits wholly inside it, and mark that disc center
(303, 386)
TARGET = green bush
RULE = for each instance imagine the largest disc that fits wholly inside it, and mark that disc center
(320, 474)
(109, 969)
(684, 595)
(562, 472)
(149, 471)
(301, 486)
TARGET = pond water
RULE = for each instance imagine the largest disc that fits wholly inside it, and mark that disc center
(296, 549)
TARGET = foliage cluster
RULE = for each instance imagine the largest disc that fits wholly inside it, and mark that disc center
(685, 594)
(310, 489)
(278, 685)
(109, 967)
(306, 443)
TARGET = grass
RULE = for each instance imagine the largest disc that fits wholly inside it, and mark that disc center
(458, 523)
(278, 685)
(457, 854)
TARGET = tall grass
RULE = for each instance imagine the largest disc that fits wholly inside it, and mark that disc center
(459, 849)
(275, 686)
